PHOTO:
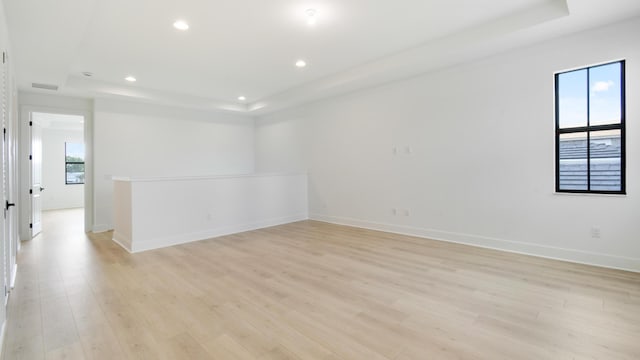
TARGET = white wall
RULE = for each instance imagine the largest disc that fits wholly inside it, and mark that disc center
(475, 155)
(132, 139)
(57, 194)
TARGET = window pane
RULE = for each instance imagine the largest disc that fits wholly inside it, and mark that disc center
(74, 152)
(605, 97)
(572, 99)
(573, 161)
(75, 173)
(606, 153)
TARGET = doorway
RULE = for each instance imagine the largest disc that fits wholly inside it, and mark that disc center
(57, 164)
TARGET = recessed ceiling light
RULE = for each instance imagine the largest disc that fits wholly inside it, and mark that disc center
(130, 79)
(301, 63)
(242, 98)
(181, 25)
(312, 16)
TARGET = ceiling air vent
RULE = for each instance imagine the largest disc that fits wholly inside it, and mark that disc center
(44, 86)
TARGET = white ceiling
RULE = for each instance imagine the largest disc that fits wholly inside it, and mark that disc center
(59, 121)
(249, 47)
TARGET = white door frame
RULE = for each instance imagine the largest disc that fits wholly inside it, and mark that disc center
(25, 164)
(9, 243)
(13, 131)
(36, 187)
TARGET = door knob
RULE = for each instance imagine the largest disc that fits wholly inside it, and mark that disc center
(8, 205)
(41, 188)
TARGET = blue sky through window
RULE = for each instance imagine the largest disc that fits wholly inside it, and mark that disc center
(75, 150)
(604, 96)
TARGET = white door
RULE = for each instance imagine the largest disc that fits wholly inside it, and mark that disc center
(6, 243)
(11, 189)
(36, 178)
(6, 204)
(8, 195)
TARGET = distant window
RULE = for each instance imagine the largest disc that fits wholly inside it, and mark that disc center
(74, 163)
(590, 129)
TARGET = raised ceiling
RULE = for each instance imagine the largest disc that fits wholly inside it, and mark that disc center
(249, 47)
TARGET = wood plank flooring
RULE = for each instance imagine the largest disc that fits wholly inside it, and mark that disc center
(310, 290)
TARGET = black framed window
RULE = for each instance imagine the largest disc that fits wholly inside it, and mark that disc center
(74, 163)
(590, 129)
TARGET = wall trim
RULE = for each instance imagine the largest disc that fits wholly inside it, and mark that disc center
(548, 252)
(3, 334)
(99, 228)
(13, 276)
(179, 239)
(122, 240)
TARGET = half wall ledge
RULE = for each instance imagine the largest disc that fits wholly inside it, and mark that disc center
(156, 212)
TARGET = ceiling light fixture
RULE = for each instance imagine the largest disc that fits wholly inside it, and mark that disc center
(312, 16)
(242, 98)
(301, 63)
(130, 79)
(181, 25)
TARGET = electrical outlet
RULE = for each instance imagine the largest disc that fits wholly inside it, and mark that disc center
(595, 232)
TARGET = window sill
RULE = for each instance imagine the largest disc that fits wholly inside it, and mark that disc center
(588, 194)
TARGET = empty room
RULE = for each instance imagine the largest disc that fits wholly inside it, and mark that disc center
(320, 179)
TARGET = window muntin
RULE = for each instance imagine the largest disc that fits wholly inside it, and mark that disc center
(590, 129)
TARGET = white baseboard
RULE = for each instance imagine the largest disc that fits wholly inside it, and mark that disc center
(63, 207)
(144, 245)
(2, 336)
(122, 240)
(13, 276)
(570, 255)
(98, 228)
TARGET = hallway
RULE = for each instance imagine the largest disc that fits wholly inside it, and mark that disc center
(53, 292)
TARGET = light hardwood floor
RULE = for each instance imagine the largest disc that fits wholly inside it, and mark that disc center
(311, 290)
